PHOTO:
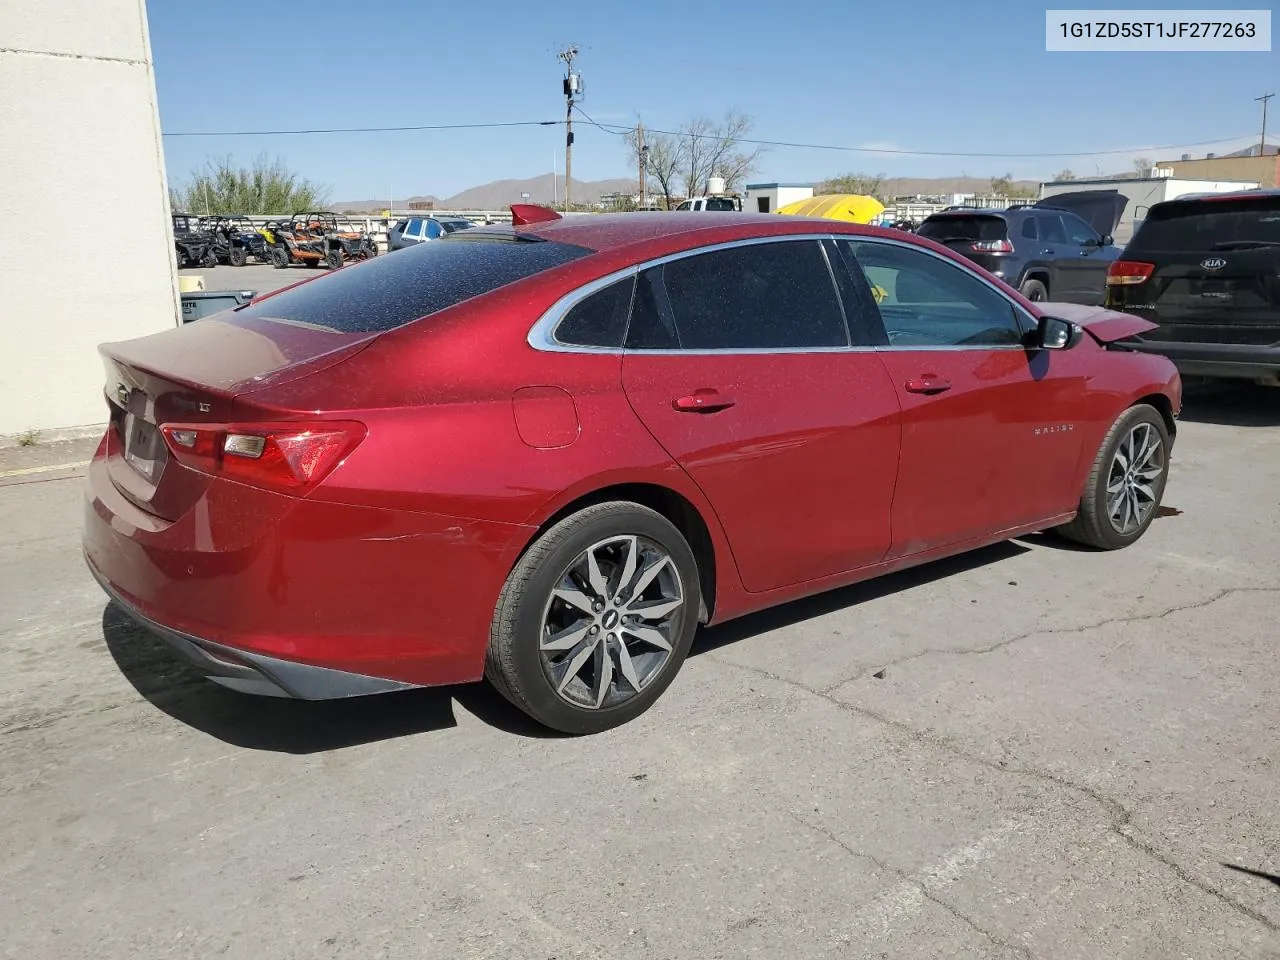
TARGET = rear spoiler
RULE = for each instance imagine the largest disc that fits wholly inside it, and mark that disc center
(525, 213)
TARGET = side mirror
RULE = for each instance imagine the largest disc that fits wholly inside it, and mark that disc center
(1107, 240)
(1055, 334)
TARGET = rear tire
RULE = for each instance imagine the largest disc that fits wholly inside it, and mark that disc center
(1126, 483)
(1035, 290)
(603, 656)
(279, 257)
(237, 256)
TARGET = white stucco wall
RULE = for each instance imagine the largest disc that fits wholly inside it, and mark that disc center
(82, 177)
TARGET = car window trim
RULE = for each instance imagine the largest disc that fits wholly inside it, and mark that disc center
(541, 334)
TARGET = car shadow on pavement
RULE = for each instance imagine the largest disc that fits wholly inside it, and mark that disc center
(712, 638)
(1269, 877)
(1232, 405)
(292, 726)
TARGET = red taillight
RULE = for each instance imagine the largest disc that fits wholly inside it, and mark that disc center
(1125, 272)
(991, 246)
(280, 456)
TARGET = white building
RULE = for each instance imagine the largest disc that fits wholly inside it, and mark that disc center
(80, 142)
(768, 197)
(1142, 193)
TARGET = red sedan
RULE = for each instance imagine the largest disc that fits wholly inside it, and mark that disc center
(543, 454)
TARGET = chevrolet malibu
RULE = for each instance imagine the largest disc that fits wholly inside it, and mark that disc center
(545, 453)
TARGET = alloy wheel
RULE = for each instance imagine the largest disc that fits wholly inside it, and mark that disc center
(1136, 468)
(611, 621)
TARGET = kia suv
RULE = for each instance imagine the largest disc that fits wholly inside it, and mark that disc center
(1206, 268)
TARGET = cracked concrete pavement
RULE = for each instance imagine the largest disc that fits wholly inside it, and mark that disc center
(1032, 751)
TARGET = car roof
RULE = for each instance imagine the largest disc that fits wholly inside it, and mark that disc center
(1266, 193)
(609, 232)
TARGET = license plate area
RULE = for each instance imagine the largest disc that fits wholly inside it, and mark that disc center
(144, 448)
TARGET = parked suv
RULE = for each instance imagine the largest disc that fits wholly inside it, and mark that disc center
(1206, 268)
(1045, 251)
(414, 230)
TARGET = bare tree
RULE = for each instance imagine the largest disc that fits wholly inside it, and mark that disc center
(711, 149)
(1064, 175)
(663, 163)
(862, 184)
(1002, 186)
(1141, 165)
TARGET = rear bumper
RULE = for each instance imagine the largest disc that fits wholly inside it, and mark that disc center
(252, 672)
(1240, 361)
(314, 598)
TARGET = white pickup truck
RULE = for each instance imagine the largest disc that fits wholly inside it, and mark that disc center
(712, 204)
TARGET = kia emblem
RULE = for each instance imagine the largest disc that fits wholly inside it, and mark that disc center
(1213, 263)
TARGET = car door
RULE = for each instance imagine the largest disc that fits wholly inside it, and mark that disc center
(739, 362)
(1085, 269)
(989, 428)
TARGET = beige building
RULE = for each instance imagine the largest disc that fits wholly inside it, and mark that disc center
(1262, 170)
(82, 172)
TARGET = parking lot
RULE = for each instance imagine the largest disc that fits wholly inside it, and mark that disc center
(258, 277)
(1030, 751)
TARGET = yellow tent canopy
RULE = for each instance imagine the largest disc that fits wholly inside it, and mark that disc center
(839, 206)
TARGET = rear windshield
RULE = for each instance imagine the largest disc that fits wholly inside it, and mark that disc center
(963, 228)
(1206, 225)
(392, 290)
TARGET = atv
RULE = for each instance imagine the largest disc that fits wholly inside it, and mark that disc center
(316, 238)
(235, 240)
(193, 245)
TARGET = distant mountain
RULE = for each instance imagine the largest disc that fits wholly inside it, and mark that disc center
(503, 193)
(377, 206)
(910, 186)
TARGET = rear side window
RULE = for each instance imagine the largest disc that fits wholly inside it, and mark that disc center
(1051, 228)
(599, 320)
(1207, 225)
(1029, 229)
(962, 227)
(776, 295)
(720, 204)
(388, 292)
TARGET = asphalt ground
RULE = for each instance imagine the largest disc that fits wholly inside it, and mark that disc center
(1030, 751)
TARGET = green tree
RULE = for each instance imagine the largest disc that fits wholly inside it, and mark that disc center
(266, 186)
(862, 184)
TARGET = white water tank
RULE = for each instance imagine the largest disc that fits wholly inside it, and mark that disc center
(715, 186)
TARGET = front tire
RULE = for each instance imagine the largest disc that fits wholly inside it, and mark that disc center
(279, 257)
(1126, 483)
(595, 619)
(238, 256)
(333, 259)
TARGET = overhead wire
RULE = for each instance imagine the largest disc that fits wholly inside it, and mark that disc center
(623, 130)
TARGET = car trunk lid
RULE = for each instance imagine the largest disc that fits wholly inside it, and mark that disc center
(193, 375)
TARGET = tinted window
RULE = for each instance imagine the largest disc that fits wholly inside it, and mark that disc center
(433, 230)
(760, 295)
(651, 326)
(1051, 228)
(925, 301)
(963, 227)
(387, 292)
(1207, 225)
(1078, 232)
(720, 204)
(600, 320)
(451, 225)
(1029, 228)
(687, 205)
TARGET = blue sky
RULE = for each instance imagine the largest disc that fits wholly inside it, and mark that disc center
(911, 74)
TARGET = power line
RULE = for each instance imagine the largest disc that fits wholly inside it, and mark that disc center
(428, 126)
(623, 130)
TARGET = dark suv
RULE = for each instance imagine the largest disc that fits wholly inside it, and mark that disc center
(1206, 268)
(1044, 250)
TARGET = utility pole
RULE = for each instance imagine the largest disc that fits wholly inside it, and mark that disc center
(572, 89)
(643, 154)
(1262, 149)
